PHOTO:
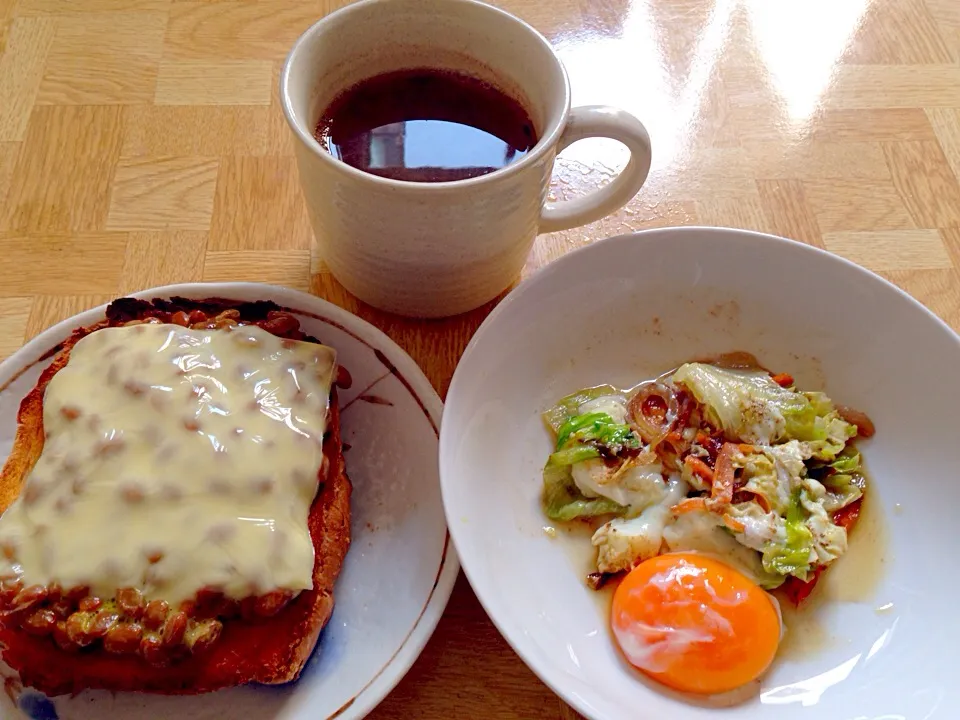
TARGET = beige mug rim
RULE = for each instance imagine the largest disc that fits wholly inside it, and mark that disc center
(549, 139)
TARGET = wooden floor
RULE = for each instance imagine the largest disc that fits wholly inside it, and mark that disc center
(141, 143)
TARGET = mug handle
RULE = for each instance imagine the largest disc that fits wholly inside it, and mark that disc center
(600, 121)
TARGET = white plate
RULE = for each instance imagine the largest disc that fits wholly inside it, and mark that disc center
(400, 568)
(881, 645)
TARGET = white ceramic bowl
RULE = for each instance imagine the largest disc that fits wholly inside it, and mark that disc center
(881, 642)
(400, 568)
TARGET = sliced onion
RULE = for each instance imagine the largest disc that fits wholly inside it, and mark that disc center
(652, 429)
(737, 361)
(864, 424)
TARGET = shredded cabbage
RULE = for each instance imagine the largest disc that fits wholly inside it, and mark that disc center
(843, 482)
(633, 486)
(574, 454)
(761, 477)
(842, 489)
(622, 542)
(692, 479)
(829, 541)
(562, 500)
(747, 404)
(598, 428)
(847, 462)
(792, 555)
(580, 438)
(571, 404)
(613, 405)
(701, 532)
(760, 528)
(795, 467)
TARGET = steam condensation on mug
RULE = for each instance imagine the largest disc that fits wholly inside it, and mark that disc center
(426, 125)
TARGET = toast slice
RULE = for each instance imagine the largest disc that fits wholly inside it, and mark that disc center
(269, 651)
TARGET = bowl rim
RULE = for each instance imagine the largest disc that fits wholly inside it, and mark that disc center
(544, 673)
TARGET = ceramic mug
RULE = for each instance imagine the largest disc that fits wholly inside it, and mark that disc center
(437, 249)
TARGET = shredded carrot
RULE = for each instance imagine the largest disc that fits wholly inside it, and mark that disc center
(798, 590)
(847, 517)
(624, 466)
(783, 379)
(699, 467)
(702, 437)
(723, 480)
(748, 449)
(674, 437)
(690, 505)
(760, 499)
(733, 524)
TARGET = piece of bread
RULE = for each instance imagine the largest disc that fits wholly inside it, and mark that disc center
(269, 651)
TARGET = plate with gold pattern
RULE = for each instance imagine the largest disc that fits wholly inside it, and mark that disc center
(179, 536)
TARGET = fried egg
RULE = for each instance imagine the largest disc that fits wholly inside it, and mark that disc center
(695, 624)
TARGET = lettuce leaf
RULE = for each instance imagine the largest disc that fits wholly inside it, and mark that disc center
(562, 500)
(792, 556)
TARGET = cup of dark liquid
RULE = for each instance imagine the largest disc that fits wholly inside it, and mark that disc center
(426, 133)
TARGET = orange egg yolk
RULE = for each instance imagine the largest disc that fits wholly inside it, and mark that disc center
(694, 623)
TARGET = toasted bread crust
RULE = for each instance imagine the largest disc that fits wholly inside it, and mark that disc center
(268, 651)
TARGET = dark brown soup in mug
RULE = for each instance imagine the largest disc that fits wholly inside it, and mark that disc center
(426, 125)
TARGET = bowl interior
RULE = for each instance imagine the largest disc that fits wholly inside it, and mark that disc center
(629, 308)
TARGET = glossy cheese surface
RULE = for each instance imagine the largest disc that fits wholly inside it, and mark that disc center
(175, 459)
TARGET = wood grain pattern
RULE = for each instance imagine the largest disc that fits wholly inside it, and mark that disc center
(162, 258)
(48, 310)
(65, 170)
(290, 267)
(21, 70)
(14, 312)
(206, 130)
(787, 210)
(8, 158)
(163, 193)
(891, 250)
(83, 68)
(863, 205)
(71, 263)
(142, 143)
(951, 239)
(262, 30)
(258, 206)
(229, 82)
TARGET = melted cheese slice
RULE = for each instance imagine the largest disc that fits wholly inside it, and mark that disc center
(175, 459)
